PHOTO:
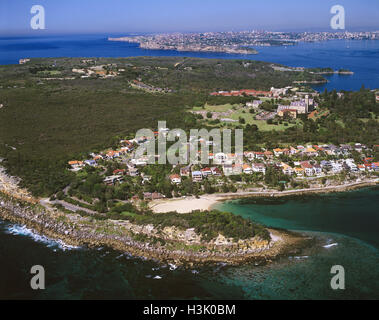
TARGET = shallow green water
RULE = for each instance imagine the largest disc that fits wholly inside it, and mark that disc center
(355, 213)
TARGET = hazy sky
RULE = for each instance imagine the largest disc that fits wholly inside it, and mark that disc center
(119, 16)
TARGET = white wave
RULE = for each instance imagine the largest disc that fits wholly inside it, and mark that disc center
(24, 231)
(330, 245)
(157, 278)
(172, 266)
(301, 257)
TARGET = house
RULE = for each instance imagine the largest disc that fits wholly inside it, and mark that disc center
(249, 155)
(206, 172)
(133, 172)
(293, 150)
(259, 155)
(268, 154)
(299, 172)
(91, 163)
(247, 169)
(324, 164)
(236, 168)
(284, 111)
(111, 154)
(336, 167)
(359, 147)
(287, 169)
(113, 179)
(119, 172)
(216, 172)
(220, 157)
(258, 167)
(278, 152)
(228, 169)
(346, 147)
(139, 162)
(76, 164)
(197, 176)
(175, 178)
(255, 104)
(310, 152)
(308, 168)
(185, 172)
(317, 169)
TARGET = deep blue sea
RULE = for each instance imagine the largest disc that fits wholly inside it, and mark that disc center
(347, 224)
(361, 57)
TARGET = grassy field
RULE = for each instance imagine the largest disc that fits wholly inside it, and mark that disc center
(238, 111)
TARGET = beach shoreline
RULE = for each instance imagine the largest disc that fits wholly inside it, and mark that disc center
(206, 202)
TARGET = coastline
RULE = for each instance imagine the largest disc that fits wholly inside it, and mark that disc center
(52, 226)
(17, 206)
(205, 202)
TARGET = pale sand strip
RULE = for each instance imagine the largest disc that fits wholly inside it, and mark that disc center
(184, 205)
(205, 202)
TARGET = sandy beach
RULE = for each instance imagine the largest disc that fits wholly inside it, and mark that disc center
(205, 202)
(185, 205)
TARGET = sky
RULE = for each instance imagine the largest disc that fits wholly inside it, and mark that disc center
(130, 16)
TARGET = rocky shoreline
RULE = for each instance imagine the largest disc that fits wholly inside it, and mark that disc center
(169, 244)
(75, 230)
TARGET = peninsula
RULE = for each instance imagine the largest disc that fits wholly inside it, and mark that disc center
(193, 45)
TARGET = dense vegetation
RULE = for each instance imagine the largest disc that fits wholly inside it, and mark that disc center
(44, 123)
(209, 224)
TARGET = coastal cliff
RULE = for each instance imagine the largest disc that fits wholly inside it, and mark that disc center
(182, 246)
(166, 244)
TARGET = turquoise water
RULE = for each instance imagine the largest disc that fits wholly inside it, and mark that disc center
(354, 214)
(83, 273)
(350, 220)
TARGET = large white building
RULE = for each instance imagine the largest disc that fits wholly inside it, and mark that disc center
(302, 106)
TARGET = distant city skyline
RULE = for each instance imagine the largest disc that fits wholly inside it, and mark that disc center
(147, 16)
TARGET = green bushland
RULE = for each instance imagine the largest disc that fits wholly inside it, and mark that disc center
(45, 123)
(207, 223)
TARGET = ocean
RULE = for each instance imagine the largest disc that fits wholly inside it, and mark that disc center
(346, 224)
(361, 57)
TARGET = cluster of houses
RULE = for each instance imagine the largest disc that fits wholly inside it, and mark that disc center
(305, 162)
(258, 161)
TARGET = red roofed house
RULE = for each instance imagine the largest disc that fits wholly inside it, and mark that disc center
(175, 178)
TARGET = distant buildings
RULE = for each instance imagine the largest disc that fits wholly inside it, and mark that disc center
(303, 106)
(23, 61)
(240, 93)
